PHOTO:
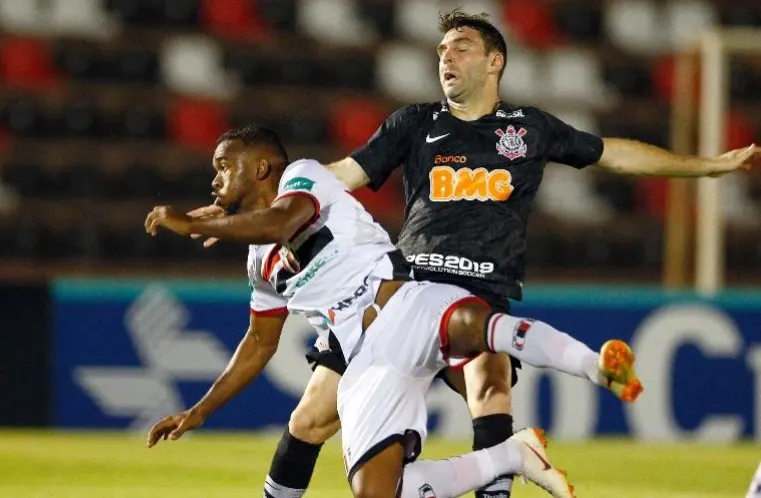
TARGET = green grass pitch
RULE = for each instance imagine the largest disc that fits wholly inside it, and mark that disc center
(36, 464)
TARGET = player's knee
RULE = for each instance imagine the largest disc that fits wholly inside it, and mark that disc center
(465, 329)
(313, 424)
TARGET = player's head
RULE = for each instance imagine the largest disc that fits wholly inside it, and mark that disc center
(248, 162)
(472, 53)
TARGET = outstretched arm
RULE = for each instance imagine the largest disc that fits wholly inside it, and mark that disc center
(253, 353)
(276, 224)
(631, 157)
(349, 172)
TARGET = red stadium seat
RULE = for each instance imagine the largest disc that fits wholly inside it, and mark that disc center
(741, 131)
(196, 123)
(532, 22)
(651, 195)
(238, 20)
(26, 63)
(353, 121)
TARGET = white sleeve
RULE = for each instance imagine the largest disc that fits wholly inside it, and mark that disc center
(310, 178)
(264, 300)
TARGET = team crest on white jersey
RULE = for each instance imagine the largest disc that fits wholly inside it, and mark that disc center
(511, 144)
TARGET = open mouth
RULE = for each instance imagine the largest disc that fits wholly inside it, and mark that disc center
(449, 76)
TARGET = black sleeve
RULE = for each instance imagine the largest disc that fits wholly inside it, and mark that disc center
(390, 146)
(569, 146)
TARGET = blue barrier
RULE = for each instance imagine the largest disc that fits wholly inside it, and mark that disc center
(129, 352)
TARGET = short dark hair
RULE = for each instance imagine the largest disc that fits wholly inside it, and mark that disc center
(256, 135)
(492, 38)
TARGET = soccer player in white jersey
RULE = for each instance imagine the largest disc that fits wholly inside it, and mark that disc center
(315, 251)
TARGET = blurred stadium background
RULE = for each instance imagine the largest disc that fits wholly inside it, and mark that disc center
(108, 107)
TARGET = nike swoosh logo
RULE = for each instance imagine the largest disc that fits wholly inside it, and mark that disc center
(547, 465)
(429, 139)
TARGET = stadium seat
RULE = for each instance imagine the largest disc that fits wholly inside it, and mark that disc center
(352, 72)
(82, 119)
(636, 26)
(581, 21)
(23, 17)
(280, 14)
(617, 191)
(352, 122)
(379, 14)
(307, 127)
(81, 18)
(523, 80)
(27, 178)
(78, 61)
(416, 20)
(575, 75)
(138, 180)
(25, 118)
(80, 181)
(252, 69)
(26, 63)
(234, 20)
(181, 13)
(193, 65)
(334, 21)
(301, 71)
(569, 195)
(687, 19)
(740, 15)
(741, 131)
(629, 77)
(743, 81)
(531, 22)
(407, 73)
(195, 182)
(142, 121)
(138, 65)
(133, 12)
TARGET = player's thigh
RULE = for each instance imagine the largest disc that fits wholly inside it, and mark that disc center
(487, 383)
(379, 477)
(315, 418)
(380, 407)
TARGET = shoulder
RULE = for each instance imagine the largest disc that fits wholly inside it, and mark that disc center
(417, 111)
(302, 175)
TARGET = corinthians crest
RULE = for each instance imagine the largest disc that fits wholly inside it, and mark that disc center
(511, 144)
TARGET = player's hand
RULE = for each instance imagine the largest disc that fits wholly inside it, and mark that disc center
(210, 211)
(174, 426)
(167, 217)
(735, 160)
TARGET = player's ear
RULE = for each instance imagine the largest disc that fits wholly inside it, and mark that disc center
(263, 169)
(497, 62)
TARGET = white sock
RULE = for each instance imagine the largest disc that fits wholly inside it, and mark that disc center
(755, 485)
(459, 475)
(540, 345)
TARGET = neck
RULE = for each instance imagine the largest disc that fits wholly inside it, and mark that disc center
(475, 106)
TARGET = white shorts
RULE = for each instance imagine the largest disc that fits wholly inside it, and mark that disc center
(381, 396)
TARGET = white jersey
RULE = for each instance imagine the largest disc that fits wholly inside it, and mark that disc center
(331, 269)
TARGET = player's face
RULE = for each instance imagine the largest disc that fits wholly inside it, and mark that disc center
(233, 162)
(463, 62)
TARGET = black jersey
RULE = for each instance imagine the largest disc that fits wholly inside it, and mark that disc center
(469, 187)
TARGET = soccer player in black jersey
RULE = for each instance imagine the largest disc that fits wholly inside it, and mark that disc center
(472, 166)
